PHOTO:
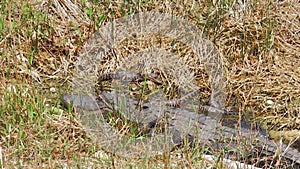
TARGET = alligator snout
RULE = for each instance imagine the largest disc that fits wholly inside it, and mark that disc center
(84, 102)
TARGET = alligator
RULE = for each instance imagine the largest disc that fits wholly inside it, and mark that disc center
(188, 125)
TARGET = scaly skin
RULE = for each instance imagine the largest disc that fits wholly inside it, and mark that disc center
(202, 129)
(127, 76)
(184, 123)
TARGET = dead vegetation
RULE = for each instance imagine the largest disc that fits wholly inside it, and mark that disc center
(258, 42)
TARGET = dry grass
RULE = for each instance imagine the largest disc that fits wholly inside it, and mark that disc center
(258, 41)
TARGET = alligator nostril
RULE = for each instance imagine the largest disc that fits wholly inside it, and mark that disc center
(66, 99)
(145, 107)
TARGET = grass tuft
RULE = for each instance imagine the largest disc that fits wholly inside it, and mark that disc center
(258, 41)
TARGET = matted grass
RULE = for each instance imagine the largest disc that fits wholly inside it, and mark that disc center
(258, 41)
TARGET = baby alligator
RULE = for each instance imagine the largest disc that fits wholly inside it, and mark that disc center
(129, 76)
(198, 128)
